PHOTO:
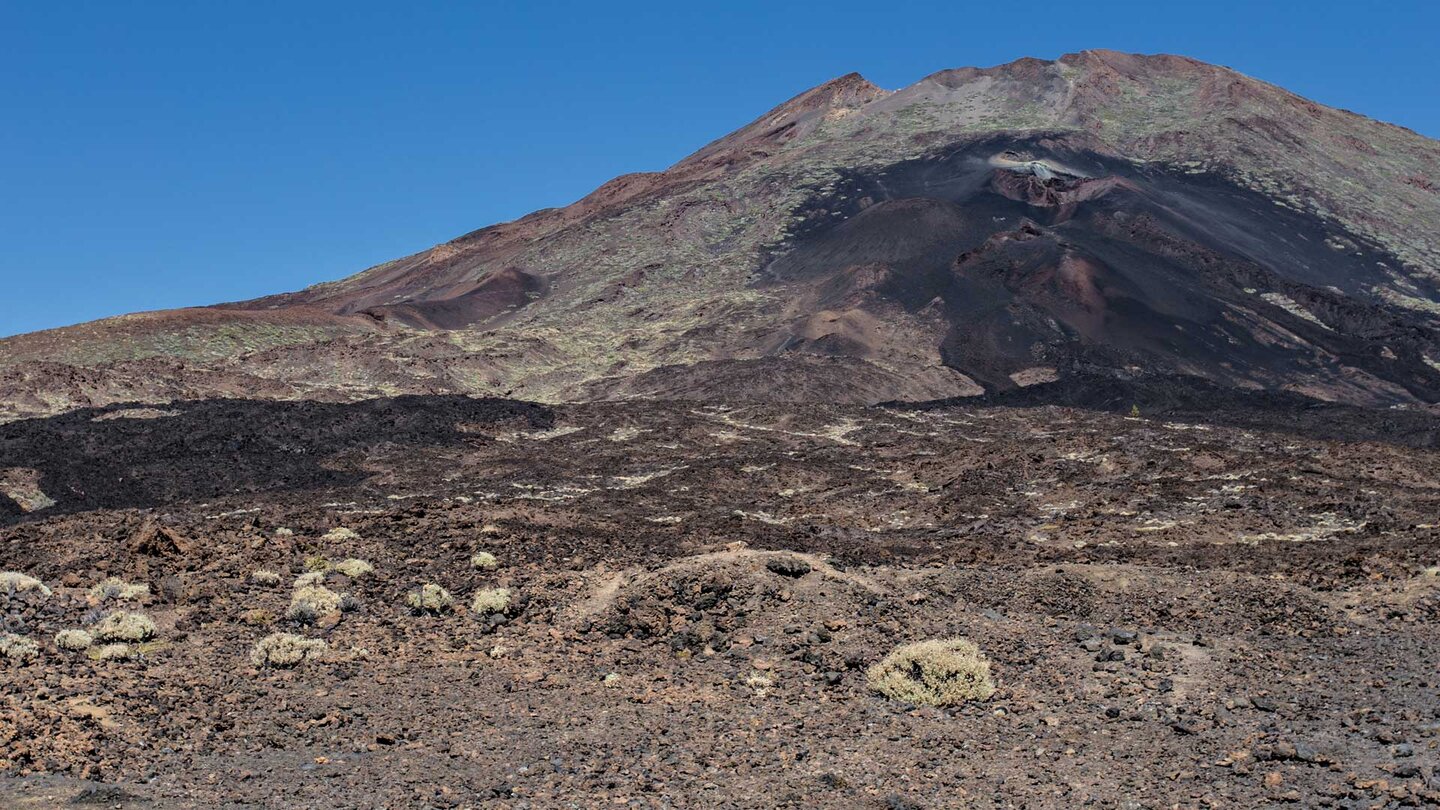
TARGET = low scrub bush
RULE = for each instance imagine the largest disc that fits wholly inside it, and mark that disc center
(429, 598)
(112, 652)
(938, 672)
(73, 639)
(283, 650)
(484, 561)
(311, 602)
(116, 588)
(309, 580)
(762, 684)
(123, 626)
(354, 568)
(264, 576)
(16, 582)
(258, 617)
(17, 648)
(491, 600)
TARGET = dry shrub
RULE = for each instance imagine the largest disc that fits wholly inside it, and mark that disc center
(17, 648)
(340, 534)
(762, 684)
(73, 639)
(16, 582)
(116, 588)
(308, 580)
(938, 672)
(429, 598)
(123, 626)
(311, 602)
(284, 650)
(264, 576)
(491, 600)
(258, 617)
(484, 561)
(354, 568)
(111, 652)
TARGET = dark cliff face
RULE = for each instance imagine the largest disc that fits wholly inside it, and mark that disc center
(979, 230)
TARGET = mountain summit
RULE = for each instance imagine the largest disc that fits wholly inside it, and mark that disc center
(982, 230)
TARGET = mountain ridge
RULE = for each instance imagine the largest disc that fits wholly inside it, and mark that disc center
(1204, 177)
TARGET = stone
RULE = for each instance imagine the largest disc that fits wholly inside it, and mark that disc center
(1264, 704)
(792, 567)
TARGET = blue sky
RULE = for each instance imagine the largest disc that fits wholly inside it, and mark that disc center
(160, 154)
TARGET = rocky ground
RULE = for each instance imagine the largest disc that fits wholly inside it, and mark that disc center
(1178, 613)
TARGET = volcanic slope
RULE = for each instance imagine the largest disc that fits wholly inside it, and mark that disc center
(978, 231)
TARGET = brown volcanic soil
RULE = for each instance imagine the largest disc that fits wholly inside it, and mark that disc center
(735, 569)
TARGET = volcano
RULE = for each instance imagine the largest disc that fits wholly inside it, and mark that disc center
(1103, 215)
(1059, 434)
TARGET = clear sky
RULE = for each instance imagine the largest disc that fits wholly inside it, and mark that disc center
(160, 154)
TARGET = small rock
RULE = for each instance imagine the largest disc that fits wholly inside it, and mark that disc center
(108, 795)
(792, 567)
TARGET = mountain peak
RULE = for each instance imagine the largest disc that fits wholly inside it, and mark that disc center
(982, 229)
(794, 118)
